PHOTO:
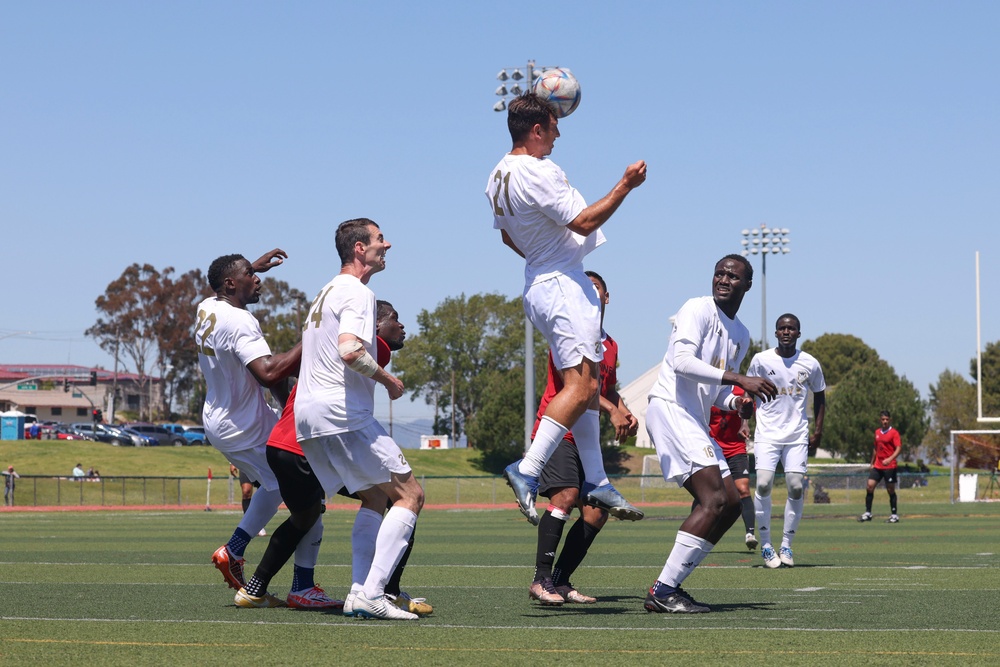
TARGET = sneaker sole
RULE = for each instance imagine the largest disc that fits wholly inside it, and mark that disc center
(752, 544)
(622, 513)
(657, 609)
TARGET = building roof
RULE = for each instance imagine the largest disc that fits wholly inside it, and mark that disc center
(59, 372)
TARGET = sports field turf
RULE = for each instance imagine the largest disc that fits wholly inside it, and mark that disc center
(137, 588)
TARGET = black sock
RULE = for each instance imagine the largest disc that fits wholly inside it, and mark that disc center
(892, 502)
(246, 504)
(746, 507)
(280, 548)
(868, 502)
(392, 586)
(578, 542)
(550, 530)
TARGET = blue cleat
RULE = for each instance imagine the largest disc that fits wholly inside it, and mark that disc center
(607, 498)
(525, 489)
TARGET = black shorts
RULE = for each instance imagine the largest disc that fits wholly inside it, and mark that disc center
(297, 483)
(562, 471)
(739, 466)
(879, 474)
(246, 480)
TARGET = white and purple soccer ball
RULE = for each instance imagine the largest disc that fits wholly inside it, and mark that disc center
(560, 89)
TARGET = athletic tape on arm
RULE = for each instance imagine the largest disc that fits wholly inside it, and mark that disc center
(364, 364)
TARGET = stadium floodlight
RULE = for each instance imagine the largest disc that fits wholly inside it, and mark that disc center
(501, 91)
(502, 76)
(764, 241)
(500, 106)
(516, 74)
(516, 89)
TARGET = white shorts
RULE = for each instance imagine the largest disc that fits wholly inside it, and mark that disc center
(682, 442)
(357, 460)
(566, 310)
(253, 463)
(793, 457)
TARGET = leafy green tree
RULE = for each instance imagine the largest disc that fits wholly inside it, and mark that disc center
(281, 311)
(991, 379)
(839, 354)
(853, 406)
(459, 347)
(177, 357)
(952, 405)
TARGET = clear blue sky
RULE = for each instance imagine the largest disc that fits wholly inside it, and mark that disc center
(173, 132)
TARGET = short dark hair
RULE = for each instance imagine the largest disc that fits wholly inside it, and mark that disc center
(596, 276)
(221, 269)
(742, 260)
(798, 324)
(885, 413)
(350, 232)
(526, 111)
(383, 310)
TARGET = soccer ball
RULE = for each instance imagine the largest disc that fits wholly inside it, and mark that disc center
(560, 89)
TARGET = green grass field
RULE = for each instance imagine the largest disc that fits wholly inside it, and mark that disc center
(137, 588)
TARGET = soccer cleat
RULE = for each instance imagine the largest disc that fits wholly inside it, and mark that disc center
(893, 519)
(607, 498)
(867, 516)
(413, 605)
(785, 556)
(678, 602)
(543, 591)
(770, 558)
(380, 608)
(265, 601)
(570, 594)
(751, 541)
(262, 533)
(230, 566)
(348, 608)
(525, 489)
(313, 598)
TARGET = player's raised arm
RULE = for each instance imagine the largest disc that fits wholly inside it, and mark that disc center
(595, 215)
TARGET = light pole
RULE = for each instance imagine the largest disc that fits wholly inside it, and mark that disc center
(765, 241)
(530, 74)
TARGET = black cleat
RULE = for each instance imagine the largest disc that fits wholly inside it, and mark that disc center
(677, 602)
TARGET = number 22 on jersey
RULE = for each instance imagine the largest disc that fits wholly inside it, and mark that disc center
(206, 325)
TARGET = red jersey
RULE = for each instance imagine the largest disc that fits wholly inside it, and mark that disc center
(283, 434)
(609, 379)
(885, 446)
(724, 427)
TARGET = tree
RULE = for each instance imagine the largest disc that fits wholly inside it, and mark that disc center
(839, 354)
(183, 384)
(854, 403)
(462, 342)
(133, 307)
(281, 311)
(991, 379)
(952, 407)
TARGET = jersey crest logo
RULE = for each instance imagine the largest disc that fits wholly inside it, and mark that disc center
(802, 377)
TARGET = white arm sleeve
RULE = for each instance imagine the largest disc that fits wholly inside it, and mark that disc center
(688, 365)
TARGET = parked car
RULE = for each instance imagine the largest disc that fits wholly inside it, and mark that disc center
(162, 435)
(67, 432)
(193, 435)
(104, 433)
(140, 439)
(196, 435)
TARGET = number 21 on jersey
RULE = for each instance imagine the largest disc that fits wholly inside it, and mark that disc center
(502, 181)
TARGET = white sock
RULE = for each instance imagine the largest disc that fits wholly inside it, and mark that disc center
(393, 537)
(688, 551)
(548, 436)
(307, 551)
(762, 513)
(363, 535)
(793, 514)
(263, 506)
(587, 434)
